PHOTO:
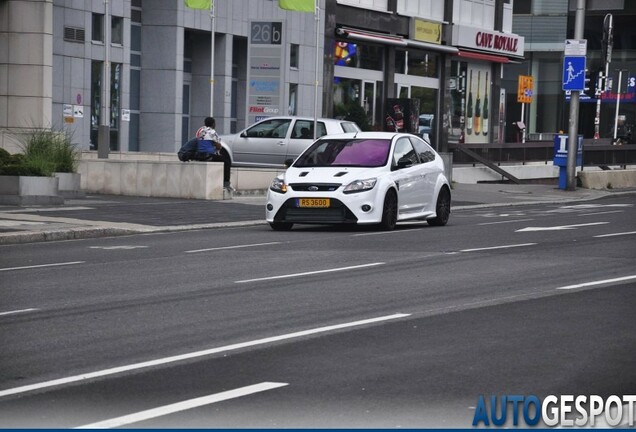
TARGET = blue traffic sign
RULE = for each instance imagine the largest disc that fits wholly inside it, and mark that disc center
(574, 73)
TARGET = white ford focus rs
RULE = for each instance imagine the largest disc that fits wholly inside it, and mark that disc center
(361, 178)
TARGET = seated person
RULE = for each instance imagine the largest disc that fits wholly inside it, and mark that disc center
(209, 149)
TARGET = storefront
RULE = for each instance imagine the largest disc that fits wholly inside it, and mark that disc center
(475, 99)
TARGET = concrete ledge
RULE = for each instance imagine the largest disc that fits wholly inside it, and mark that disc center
(610, 179)
(29, 190)
(153, 178)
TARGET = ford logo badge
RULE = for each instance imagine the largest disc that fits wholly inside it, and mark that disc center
(313, 188)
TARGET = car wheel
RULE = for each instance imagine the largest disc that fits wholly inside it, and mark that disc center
(281, 226)
(442, 208)
(389, 211)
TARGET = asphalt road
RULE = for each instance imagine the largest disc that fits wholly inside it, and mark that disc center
(320, 327)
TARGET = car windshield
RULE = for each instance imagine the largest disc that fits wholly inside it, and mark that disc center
(346, 152)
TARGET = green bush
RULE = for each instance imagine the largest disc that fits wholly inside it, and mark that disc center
(51, 151)
(44, 152)
(355, 113)
(5, 157)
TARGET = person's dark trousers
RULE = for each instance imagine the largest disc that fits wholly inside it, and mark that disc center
(227, 165)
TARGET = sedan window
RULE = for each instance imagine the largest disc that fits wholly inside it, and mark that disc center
(276, 128)
(425, 151)
(304, 129)
(404, 154)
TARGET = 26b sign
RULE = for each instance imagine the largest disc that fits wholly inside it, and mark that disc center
(267, 33)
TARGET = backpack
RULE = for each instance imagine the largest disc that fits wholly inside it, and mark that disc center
(188, 150)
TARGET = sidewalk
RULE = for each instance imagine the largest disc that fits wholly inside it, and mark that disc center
(108, 215)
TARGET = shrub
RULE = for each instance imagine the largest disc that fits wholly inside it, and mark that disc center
(45, 151)
(5, 157)
(51, 150)
(355, 113)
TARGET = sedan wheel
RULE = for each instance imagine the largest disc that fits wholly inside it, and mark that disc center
(442, 208)
(281, 226)
(389, 211)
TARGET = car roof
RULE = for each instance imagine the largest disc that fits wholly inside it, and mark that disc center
(307, 118)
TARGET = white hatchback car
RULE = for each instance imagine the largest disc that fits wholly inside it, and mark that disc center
(361, 178)
(269, 142)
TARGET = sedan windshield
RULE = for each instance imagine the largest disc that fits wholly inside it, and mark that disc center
(351, 152)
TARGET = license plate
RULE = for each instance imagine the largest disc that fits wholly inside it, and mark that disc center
(313, 202)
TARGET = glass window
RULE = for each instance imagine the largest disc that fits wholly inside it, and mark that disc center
(293, 99)
(135, 38)
(416, 63)
(98, 28)
(404, 153)
(115, 94)
(269, 129)
(135, 88)
(117, 30)
(522, 7)
(356, 152)
(424, 151)
(294, 50)
(304, 129)
(358, 56)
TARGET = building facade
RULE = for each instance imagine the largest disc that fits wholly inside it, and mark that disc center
(545, 25)
(150, 72)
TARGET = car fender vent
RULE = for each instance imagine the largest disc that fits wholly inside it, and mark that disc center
(341, 173)
(303, 174)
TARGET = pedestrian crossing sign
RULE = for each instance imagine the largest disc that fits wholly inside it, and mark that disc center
(574, 73)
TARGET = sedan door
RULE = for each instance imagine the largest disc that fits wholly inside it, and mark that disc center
(302, 135)
(264, 143)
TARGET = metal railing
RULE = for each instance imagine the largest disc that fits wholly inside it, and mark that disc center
(595, 153)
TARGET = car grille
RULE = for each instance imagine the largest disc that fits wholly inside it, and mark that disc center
(337, 213)
(315, 187)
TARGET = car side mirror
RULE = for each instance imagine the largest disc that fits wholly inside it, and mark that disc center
(288, 162)
(243, 134)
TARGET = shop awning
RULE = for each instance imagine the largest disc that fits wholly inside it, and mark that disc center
(381, 38)
(482, 56)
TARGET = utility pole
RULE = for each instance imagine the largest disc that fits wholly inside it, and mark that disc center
(574, 106)
(103, 134)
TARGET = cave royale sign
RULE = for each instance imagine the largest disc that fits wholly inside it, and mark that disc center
(508, 44)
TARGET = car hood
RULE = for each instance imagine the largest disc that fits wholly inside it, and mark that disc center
(343, 175)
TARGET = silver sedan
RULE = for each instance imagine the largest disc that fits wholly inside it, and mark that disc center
(269, 142)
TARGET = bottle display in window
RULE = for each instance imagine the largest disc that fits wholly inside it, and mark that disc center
(469, 105)
(484, 125)
(477, 119)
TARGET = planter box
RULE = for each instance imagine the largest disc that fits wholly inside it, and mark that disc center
(28, 190)
(70, 185)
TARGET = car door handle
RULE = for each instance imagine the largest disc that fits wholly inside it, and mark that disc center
(281, 143)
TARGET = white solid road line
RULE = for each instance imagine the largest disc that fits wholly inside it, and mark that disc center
(232, 247)
(601, 282)
(41, 266)
(292, 275)
(505, 222)
(560, 228)
(19, 311)
(182, 406)
(196, 354)
(615, 234)
(498, 247)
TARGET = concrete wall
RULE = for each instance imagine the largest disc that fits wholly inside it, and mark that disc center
(610, 179)
(197, 180)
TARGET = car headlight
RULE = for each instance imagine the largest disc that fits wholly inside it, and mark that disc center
(360, 185)
(278, 185)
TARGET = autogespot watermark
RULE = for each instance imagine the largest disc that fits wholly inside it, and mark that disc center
(555, 411)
